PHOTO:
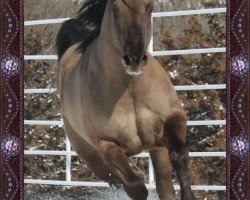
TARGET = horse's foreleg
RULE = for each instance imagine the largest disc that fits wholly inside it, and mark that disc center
(174, 138)
(90, 155)
(163, 173)
(117, 162)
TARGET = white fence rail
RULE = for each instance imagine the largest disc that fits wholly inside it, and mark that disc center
(189, 123)
(141, 155)
(68, 153)
(189, 12)
(178, 88)
(102, 184)
(153, 53)
(158, 14)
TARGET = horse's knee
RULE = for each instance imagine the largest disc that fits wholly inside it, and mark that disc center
(117, 161)
(110, 151)
(178, 153)
(179, 156)
(174, 139)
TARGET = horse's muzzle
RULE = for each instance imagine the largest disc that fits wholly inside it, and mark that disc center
(135, 61)
(134, 66)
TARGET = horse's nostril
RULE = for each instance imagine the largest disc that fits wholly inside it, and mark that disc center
(127, 60)
(144, 60)
(135, 61)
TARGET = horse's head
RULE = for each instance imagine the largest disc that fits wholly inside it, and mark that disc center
(131, 31)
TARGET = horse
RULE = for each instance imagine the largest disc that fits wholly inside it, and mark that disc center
(117, 100)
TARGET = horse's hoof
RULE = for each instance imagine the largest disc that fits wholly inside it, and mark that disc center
(137, 192)
(188, 197)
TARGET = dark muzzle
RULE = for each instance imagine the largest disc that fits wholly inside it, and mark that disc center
(135, 61)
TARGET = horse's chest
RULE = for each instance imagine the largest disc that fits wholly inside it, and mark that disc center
(149, 128)
(136, 130)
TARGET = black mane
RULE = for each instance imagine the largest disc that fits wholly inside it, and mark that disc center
(84, 28)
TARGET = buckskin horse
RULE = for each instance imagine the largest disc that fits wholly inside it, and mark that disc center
(117, 100)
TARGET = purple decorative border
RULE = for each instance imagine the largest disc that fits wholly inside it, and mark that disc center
(11, 100)
(238, 99)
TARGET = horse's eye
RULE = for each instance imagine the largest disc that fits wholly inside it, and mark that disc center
(114, 12)
(149, 8)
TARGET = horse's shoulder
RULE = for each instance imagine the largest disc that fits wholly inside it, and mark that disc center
(156, 72)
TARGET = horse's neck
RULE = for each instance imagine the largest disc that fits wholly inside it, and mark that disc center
(107, 79)
(106, 82)
(106, 57)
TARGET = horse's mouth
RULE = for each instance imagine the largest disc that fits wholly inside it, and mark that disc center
(137, 73)
(134, 71)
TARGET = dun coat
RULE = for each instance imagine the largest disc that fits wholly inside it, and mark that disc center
(117, 100)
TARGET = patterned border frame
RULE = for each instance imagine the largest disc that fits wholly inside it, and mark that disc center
(11, 100)
(238, 99)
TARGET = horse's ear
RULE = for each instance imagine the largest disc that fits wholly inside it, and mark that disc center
(111, 2)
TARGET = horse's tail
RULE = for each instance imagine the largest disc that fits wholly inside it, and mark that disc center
(84, 28)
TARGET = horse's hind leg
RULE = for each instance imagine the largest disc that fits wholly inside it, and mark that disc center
(117, 161)
(163, 173)
(90, 155)
(174, 138)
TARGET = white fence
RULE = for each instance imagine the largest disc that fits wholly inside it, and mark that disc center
(68, 153)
